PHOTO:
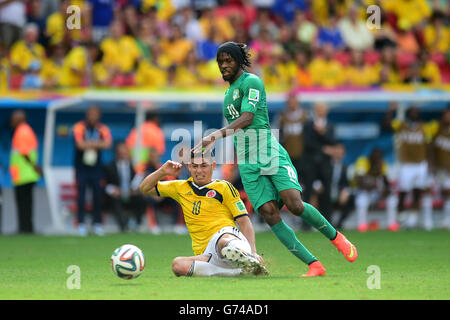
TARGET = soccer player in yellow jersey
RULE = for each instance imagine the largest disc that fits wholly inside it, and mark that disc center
(211, 209)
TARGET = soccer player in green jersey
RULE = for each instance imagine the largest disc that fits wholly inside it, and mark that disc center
(269, 178)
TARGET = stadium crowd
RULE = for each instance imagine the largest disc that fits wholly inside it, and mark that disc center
(172, 43)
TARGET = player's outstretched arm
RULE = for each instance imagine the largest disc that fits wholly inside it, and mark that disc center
(207, 142)
(246, 227)
(170, 168)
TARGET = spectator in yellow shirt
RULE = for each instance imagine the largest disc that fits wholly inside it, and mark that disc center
(410, 13)
(437, 34)
(121, 54)
(428, 68)
(83, 67)
(27, 52)
(74, 67)
(225, 31)
(386, 68)
(358, 73)
(56, 28)
(322, 9)
(281, 72)
(177, 46)
(325, 71)
(164, 8)
(188, 74)
(150, 76)
(51, 68)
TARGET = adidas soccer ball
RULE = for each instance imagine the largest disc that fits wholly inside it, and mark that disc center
(128, 261)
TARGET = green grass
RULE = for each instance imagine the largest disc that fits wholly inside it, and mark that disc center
(413, 265)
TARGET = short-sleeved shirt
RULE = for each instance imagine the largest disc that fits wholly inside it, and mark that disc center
(206, 209)
(254, 143)
(265, 166)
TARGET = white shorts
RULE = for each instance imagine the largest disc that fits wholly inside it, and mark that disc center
(212, 249)
(413, 176)
(442, 179)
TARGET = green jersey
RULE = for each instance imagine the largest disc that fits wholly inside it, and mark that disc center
(255, 144)
(265, 166)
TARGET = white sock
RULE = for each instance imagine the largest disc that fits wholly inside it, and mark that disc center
(362, 206)
(391, 209)
(446, 221)
(206, 269)
(411, 218)
(427, 209)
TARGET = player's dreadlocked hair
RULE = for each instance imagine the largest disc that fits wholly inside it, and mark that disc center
(238, 51)
(246, 61)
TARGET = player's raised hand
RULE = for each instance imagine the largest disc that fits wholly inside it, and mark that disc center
(171, 168)
(205, 145)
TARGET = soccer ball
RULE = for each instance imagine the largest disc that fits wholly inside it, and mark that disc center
(127, 262)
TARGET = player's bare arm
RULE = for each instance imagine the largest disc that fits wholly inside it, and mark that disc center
(207, 142)
(246, 227)
(170, 168)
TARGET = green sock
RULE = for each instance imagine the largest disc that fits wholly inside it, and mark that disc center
(314, 218)
(287, 237)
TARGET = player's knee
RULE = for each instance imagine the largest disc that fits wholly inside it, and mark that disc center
(223, 241)
(293, 201)
(180, 267)
(295, 206)
(270, 214)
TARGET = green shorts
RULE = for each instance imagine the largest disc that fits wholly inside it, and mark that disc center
(263, 183)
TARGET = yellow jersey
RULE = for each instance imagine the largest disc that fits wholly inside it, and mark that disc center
(123, 53)
(22, 55)
(206, 209)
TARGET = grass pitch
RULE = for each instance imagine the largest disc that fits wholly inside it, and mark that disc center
(412, 265)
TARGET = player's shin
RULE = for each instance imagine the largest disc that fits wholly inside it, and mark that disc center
(391, 211)
(288, 238)
(315, 219)
(362, 206)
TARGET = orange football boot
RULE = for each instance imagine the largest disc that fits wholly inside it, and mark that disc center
(363, 227)
(315, 269)
(345, 247)
(394, 227)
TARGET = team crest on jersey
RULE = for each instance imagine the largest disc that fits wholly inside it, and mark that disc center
(235, 94)
(253, 95)
(211, 194)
